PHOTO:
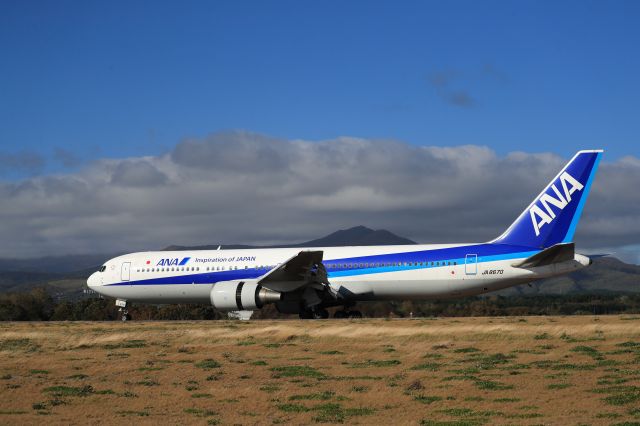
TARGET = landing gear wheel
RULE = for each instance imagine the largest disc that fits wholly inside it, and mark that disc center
(320, 314)
(340, 314)
(306, 314)
(314, 314)
(125, 316)
(354, 314)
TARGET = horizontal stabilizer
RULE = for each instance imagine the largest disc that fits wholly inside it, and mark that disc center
(554, 254)
(598, 256)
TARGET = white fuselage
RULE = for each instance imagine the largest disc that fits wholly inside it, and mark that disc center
(359, 273)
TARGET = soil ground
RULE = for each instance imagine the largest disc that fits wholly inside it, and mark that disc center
(448, 371)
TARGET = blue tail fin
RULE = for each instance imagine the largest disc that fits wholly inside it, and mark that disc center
(553, 216)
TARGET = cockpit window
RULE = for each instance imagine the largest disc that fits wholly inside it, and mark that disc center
(102, 268)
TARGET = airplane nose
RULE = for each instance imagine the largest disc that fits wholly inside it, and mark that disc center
(93, 280)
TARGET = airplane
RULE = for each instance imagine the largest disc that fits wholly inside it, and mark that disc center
(538, 244)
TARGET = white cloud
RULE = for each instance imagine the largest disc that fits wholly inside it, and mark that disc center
(248, 188)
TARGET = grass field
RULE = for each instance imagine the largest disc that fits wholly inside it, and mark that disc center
(463, 371)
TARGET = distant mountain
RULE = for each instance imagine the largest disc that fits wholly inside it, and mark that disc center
(56, 264)
(356, 236)
(605, 275)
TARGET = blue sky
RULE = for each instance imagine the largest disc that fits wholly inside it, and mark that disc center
(86, 79)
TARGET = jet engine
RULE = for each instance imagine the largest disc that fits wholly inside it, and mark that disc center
(241, 295)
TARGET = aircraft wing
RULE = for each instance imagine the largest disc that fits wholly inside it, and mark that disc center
(554, 254)
(304, 268)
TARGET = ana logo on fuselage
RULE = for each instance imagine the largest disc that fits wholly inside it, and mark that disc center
(173, 262)
(540, 217)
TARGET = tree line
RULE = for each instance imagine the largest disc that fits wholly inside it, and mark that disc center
(39, 305)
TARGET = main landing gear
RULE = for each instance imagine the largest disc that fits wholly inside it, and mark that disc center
(123, 309)
(321, 313)
(317, 313)
(348, 314)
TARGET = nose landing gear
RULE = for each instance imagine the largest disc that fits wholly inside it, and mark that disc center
(125, 315)
(123, 309)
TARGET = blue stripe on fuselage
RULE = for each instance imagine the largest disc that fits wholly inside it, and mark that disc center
(336, 267)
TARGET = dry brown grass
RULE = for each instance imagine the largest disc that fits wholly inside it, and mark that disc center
(463, 371)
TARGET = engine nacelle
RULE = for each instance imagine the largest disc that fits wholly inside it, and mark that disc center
(241, 295)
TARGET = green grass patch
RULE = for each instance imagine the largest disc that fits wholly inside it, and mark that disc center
(335, 413)
(150, 369)
(427, 399)
(125, 413)
(466, 350)
(200, 412)
(38, 372)
(376, 363)
(208, 364)
(319, 396)
(148, 383)
(201, 395)
(433, 356)
(259, 362)
(462, 422)
(629, 344)
(622, 398)
(333, 352)
(608, 415)
(77, 377)
(507, 400)
(69, 390)
(297, 371)
(491, 385)
(127, 344)
(270, 388)
(523, 416)
(489, 362)
(293, 408)
(25, 345)
(428, 366)
(554, 386)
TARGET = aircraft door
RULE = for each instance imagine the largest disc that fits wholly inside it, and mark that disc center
(126, 271)
(471, 264)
